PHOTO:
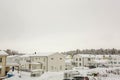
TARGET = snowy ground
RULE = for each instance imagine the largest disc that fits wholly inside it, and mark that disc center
(45, 76)
(59, 75)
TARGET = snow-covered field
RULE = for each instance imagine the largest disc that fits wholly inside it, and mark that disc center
(45, 76)
(59, 75)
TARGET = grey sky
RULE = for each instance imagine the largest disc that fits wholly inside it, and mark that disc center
(59, 25)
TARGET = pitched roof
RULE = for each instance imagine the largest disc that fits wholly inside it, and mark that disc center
(3, 53)
(42, 54)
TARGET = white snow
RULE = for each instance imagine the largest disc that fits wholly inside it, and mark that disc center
(59, 75)
(45, 76)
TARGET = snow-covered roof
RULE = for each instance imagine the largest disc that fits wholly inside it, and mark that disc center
(26, 55)
(115, 56)
(68, 57)
(85, 55)
(37, 54)
(42, 54)
(101, 61)
(37, 70)
(3, 53)
(97, 56)
(68, 61)
(36, 63)
(13, 56)
(12, 64)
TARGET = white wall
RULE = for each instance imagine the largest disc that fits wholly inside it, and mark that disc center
(56, 62)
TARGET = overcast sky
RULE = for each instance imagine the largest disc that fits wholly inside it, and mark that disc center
(59, 25)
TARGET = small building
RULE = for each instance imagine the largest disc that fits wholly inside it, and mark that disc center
(3, 67)
(83, 60)
(56, 62)
(39, 61)
(96, 60)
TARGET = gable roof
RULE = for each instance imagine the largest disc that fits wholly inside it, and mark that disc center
(42, 54)
(3, 53)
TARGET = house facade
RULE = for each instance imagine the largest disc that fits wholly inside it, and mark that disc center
(3, 56)
(88, 60)
(43, 62)
(83, 60)
(56, 62)
(39, 62)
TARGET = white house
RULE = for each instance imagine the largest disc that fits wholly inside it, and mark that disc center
(109, 60)
(39, 61)
(43, 62)
(56, 62)
(88, 59)
(83, 60)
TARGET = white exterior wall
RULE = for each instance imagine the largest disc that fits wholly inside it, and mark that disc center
(114, 60)
(13, 60)
(56, 62)
(43, 63)
(24, 64)
(81, 60)
(39, 62)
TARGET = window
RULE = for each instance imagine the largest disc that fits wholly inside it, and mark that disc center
(0, 59)
(60, 58)
(89, 59)
(0, 71)
(79, 64)
(51, 58)
(115, 62)
(76, 59)
(79, 59)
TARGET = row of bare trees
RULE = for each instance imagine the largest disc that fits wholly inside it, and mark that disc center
(93, 51)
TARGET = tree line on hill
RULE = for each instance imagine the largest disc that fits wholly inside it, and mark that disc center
(93, 51)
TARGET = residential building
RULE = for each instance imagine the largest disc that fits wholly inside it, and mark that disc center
(3, 67)
(83, 60)
(43, 62)
(56, 62)
(96, 60)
